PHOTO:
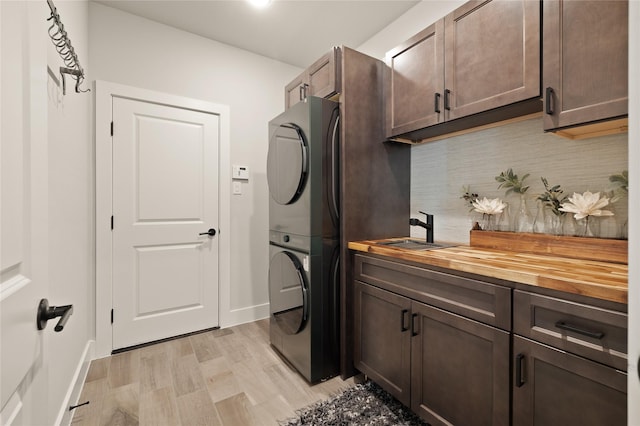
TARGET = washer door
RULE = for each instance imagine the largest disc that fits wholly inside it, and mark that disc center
(288, 292)
(287, 163)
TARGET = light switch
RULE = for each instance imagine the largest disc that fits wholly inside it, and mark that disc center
(237, 188)
(240, 172)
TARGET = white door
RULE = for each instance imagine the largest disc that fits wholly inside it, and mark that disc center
(23, 206)
(165, 200)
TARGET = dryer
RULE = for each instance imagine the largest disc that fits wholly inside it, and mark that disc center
(303, 169)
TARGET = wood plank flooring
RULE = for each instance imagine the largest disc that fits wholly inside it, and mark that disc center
(223, 377)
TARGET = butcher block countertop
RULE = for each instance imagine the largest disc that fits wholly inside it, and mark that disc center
(602, 280)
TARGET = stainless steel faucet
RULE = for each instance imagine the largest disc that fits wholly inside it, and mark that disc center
(428, 226)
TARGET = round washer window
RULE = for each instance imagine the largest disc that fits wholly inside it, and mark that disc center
(287, 164)
(287, 292)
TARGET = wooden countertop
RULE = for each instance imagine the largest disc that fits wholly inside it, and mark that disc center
(602, 280)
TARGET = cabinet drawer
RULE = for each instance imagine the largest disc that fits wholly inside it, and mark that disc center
(594, 333)
(484, 302)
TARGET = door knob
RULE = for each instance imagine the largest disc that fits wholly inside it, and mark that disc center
(211, 232)
(46, 312)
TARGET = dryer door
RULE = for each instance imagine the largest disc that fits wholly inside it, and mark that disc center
(288, 292)
(287, 163)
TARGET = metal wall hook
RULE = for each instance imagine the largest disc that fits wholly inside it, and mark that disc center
(46, 312)
(61, 41)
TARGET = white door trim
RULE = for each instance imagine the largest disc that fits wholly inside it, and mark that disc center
(104, 91)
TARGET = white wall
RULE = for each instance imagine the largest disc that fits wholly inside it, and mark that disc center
(130, 50)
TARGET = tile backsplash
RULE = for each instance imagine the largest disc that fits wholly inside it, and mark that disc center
(439, 170)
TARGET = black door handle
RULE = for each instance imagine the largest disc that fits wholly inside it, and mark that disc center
(520, 379)
(447, 93)
(437, 103)
(548, 109)
(211, 232)
(46, 312)
(577, 329)
(403, 314)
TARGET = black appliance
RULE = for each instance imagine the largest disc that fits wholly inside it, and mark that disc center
(304, 243)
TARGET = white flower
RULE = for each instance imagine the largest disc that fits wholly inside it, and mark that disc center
(486, 206)
(587, 204)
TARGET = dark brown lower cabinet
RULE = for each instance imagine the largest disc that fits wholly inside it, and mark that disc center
(449, 369)
(383, 339)
(459, 369)
(553, 387)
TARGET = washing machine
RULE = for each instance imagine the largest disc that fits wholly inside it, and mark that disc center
(303, 169)
(303, 294)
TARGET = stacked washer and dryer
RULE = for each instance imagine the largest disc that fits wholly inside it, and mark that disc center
(304, 236)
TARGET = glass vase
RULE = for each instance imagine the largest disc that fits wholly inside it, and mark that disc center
(541, 219)
(523, 219)
(588, 227)
(488, 222)
(554, 223)
(503, 220)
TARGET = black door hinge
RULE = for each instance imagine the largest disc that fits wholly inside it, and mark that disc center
(112, 128)
(112, 223)
(111, 316)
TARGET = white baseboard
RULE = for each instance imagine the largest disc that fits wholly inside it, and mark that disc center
(75, 387)
(244, 315)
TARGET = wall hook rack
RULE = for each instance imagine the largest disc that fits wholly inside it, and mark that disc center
(63, 45)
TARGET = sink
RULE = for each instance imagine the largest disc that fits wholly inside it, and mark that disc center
(411, 244)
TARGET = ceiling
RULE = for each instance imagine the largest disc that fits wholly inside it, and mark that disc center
(296, 32)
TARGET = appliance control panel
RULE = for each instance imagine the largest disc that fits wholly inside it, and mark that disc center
(240, 172)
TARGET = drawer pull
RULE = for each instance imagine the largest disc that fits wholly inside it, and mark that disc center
(402, 317)
(447, 93)
(570, 327)
(413, 325)
(519, 365)
(548, 109)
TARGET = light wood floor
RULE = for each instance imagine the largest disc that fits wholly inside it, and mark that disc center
(221, 377)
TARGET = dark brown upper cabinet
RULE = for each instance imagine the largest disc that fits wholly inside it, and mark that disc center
(321, 79)
(585, 50)
(482, 57)
(414, 96)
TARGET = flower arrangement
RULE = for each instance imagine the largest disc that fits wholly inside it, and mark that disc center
(468, 196)
(585, 205)
(621, 181)
(522, 220)
(620, 185)
(512, 182)
(488, 208)
(551, 198)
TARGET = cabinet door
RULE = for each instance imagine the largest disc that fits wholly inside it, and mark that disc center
(492, 55)
(382, 339)
(460, 369)
(552, 387)
(323, 76)
(321, 79)
(294, 92)
(585, 61)
(415, 82)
